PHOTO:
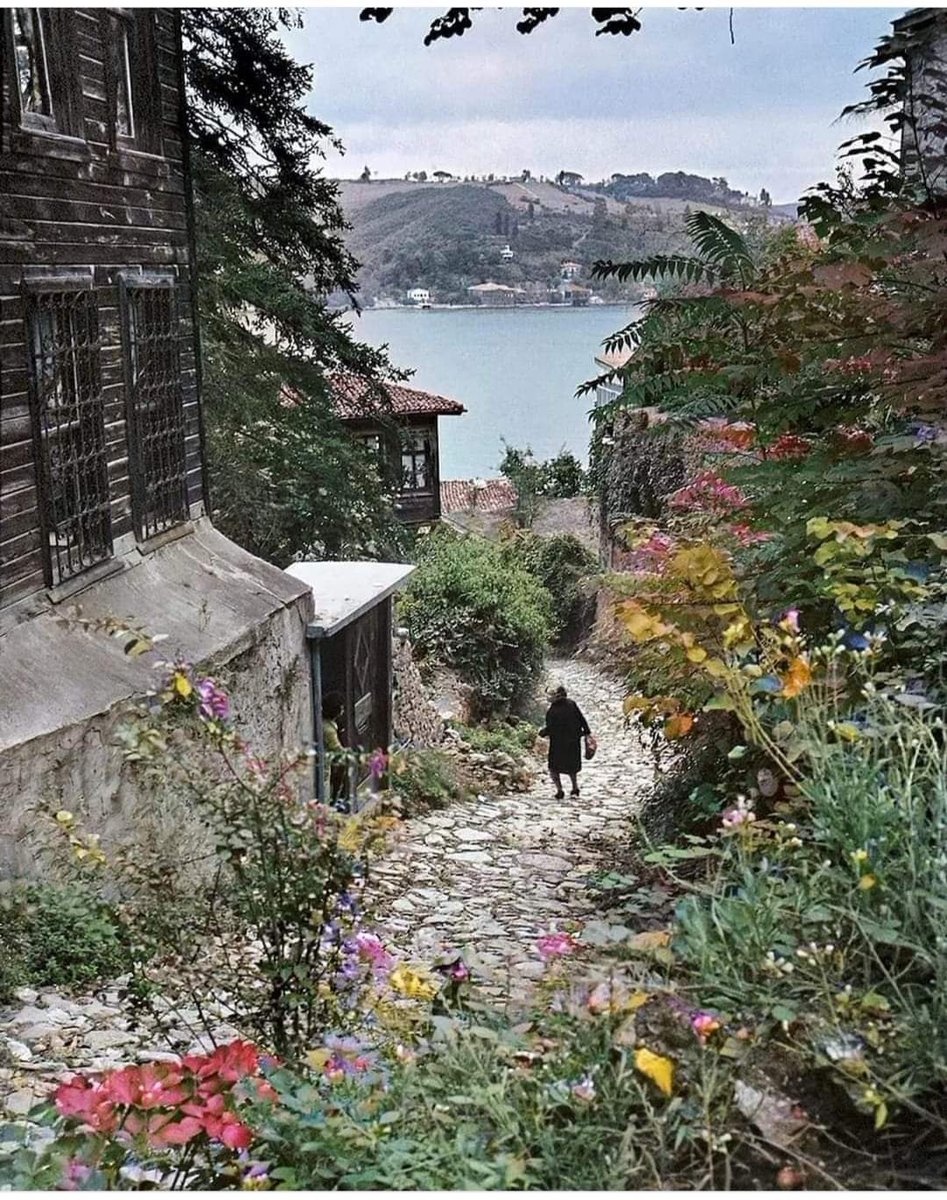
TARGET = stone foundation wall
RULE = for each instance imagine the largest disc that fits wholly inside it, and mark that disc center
(415, 718)
(67, 691)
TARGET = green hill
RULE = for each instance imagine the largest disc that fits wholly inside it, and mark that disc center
(447, 236)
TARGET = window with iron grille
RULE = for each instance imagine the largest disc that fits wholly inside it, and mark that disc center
(155, 404)
(69, 430)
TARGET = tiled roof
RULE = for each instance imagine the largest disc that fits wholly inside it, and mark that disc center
(481, 495)
(352, 399)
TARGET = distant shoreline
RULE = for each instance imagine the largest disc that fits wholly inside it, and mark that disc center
(493, 307)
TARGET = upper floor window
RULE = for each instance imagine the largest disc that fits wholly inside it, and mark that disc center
(32, 69)
(41, 50)
(132, 84)
(124, 112)
(417, 466)
(68, 415)
(155, 403)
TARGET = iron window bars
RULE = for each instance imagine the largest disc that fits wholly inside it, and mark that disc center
(154, 403)
(68, 415)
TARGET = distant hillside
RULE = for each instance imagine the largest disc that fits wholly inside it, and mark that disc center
(448, 236)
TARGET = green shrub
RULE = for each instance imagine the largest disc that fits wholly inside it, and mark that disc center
(557, 478)
(467, 607)
(507, 737)
(837, 931)
(485, 1109)
(56, 936)
(427, 779)
(560, 563)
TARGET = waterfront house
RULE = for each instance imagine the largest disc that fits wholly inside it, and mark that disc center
(569, 269)
(606, 363)
(419, 296)
(103, 496)
(507, 253)
(414, 415)
(494, 295)
(573, 293)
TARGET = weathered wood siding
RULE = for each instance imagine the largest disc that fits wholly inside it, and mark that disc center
(87, 201)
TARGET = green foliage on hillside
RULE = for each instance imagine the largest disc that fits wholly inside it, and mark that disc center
(447, 238)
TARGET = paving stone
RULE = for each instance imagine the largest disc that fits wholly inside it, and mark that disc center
(20, 1102)
(515, 866)
(108, 1039)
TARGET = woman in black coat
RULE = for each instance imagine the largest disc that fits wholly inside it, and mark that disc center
(565, 727)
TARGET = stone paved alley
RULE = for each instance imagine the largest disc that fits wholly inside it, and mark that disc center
(489, 875)
(493, 873)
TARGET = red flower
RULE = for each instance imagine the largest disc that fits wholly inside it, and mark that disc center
(790, 445)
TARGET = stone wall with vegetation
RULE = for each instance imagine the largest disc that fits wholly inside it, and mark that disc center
(415, 719)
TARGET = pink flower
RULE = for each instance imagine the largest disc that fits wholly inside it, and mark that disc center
(709, 493)
(74, 1174)
(738, 817)
(704, 1024)
(371, 949)
(747, 536)
(556, 945)
(790, 620)
(378, 764)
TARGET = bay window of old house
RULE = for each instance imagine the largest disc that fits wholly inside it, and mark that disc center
(417, 462)
(154, 403)
(68, 418)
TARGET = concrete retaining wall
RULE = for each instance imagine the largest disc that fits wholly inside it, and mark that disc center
(65, 690)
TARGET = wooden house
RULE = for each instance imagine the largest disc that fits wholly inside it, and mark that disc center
(414, 416)
(103, 503)
(101, 425)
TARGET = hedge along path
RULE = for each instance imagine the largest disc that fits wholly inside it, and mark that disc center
(492, 874)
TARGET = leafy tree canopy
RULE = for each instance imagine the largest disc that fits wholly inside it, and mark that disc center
(286, 479)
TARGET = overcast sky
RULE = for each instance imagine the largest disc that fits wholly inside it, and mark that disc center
(674, 96)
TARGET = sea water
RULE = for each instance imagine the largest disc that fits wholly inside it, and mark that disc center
(515, 371)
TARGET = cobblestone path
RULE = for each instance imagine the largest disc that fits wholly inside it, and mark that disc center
(491, 874)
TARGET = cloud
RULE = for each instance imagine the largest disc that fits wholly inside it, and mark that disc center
(676, 96)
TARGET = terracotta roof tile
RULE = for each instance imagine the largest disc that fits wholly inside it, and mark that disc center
(352, 399)
(481, 495)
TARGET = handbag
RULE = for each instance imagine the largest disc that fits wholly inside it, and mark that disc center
(591, 745)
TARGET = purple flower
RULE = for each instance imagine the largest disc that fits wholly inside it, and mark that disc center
(458, 971)
(378, 764)
(214, 703)
(924, 433)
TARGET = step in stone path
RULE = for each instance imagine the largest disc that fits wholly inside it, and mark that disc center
(492, 874)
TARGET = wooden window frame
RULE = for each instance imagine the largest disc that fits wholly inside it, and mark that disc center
(61, 67)
(139, 66)
(409, 473)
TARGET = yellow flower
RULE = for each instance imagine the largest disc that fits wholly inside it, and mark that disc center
(859, 856)
(657, 1068)
(867, 882)
(410, 983)
(64, 817)
(182, 685)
